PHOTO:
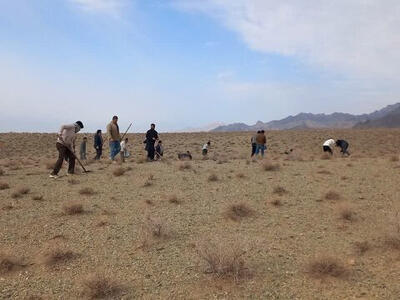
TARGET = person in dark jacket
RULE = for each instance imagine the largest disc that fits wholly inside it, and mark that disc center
(343, 146)
(151, 138)
(98, 144)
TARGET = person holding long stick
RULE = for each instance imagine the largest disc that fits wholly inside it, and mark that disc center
(114, 138)
(66, 146)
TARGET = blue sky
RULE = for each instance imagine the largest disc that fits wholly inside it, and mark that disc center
(186, 63)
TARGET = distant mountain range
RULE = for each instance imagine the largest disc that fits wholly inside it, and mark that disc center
(388, 117)
(205, 128)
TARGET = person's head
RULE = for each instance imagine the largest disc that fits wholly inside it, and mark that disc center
(98, 132)
(84, 138)
(208, 143)
(126, 139)
(160, 142)
(115, 119)
(78, 126)
(337, 143)
(258, 131)
(152, 126)
(262, 131)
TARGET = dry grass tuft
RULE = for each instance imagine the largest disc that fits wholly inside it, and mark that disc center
(332, 195)
(98, 286)
(174, 199)
(37, 197)
(119, 171)
(184, 166)
(239, 211)
(57, 256)
(362, 247)
(9, 263)
(269, 166)
(149, 202)
(24, 190)
(394, 158)
(280, 190)
(213, 177)
(223, 258)
(16, 195)
(326, 266)
(240, 175)
(346, 212)
(1, 172)
(4, 186)
(276, 202)
(73, 208)
(87, 191)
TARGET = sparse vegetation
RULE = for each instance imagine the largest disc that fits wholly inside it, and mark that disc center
(174, 199)
(87, 191)
(9, 263)
(346, 212)
(37, 197)
(73, 208)
(24, 190)
(332, 195)
(239, 211)
(362, 247)
(326, 266)
(213, 177)
(223, 258)
(58, 255)
(98, 286)
(2, 172)
(276, 202)
(279, 190)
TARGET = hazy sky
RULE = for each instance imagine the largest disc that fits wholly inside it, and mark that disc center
(186, 63)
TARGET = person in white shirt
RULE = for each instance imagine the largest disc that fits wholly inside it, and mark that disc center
(205, 148)
(124, 149)
(328, 146)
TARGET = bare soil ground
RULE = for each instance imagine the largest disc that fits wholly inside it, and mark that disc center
(228, 227)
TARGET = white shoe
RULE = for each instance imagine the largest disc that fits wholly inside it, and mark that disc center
(53, 176)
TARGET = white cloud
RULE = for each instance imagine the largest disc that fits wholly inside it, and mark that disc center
(356, 37)
(111, 7)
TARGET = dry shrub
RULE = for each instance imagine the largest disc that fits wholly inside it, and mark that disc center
(269, 166)
(4, 186)
(174, 199)
(325, 266)
(98, 286)
(153, 229)
(119, 171)
(86, 191)
(362, 247)
(213, 177)
(37, 197)
(276, 202)
(326, 156)
(9, 263)
(346, 212)
(394, 158)
(240, 175)
(223, 258)
(73, 208)
(239, 211)
(16, 195)
(58, 255)
(24, 190)
(184, 166)
(280, 190)
(149, 202)
(147, 183)
(1, 172)
(332, 195)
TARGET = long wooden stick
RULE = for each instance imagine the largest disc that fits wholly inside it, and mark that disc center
(126, 131)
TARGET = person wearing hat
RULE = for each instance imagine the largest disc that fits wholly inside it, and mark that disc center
(66, 147)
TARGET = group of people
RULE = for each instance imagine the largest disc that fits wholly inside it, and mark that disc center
(118, 145)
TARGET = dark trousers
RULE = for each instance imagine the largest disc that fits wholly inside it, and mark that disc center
(327, 149)
(150, 150)
(344, 150)
(253, 149)
(99, 152)
(63, 153)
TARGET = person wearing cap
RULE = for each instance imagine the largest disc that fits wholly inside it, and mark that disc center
(66, 147)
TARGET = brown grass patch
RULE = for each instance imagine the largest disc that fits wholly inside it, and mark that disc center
(98, 286)
(280, 190)
(4, 186)
(213, 177)
(239, 211)
(119, 171)
(223, 258)
(16, 195)
(37, 197)
(88, 191)
(1, 172)
(326, 266)
(240, 175)
(394, 158)
(269, 166)
(332, 195)
(24, 190)
(56, 256)
(276, 202)
(346, 212)
(9, 263)
(73, 208)
(154, 229)
(174, 199)
(362, 247)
